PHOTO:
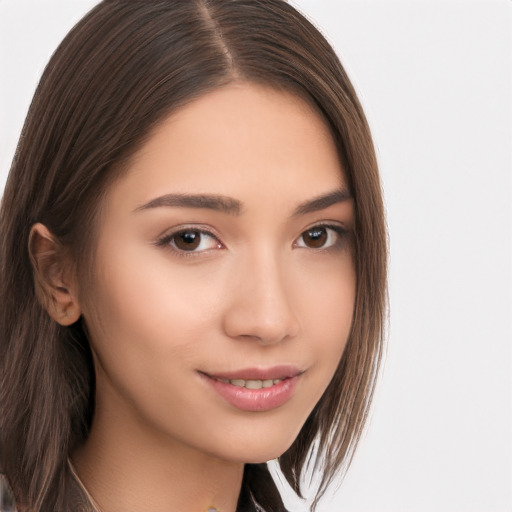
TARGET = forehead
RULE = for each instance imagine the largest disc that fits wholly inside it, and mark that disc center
(243, 140)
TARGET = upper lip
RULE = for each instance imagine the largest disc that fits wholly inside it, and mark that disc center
(282, 371)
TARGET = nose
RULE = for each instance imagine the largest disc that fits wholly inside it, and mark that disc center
(261, 305)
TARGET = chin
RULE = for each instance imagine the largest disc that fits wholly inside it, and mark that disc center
(256, 447)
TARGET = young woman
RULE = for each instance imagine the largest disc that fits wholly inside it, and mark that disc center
(193, 264)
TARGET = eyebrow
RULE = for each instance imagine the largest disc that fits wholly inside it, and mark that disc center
(211, 202)
(232, 206)
(323, 201)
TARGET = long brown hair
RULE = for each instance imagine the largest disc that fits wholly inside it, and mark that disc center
(123, 68)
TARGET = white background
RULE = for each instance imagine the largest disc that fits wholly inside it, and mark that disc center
(435, 80)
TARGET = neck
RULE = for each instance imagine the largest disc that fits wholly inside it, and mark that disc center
(127, 467)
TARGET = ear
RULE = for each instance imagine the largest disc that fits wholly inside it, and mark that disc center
(54, 279)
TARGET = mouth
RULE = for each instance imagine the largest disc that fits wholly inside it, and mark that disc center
(255, 389)
(251, 383)
(257, 377)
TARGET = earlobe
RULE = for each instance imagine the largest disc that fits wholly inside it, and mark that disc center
(53, 278)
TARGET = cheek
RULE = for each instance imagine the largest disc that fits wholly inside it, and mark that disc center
(149, 330)
(141, 313)
(325, 297)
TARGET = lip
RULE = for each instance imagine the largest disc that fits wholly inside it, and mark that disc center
(256, 400)
(282, 371)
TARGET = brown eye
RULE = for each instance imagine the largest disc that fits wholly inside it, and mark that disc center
(321, 237)
(315, 237)
(187, 240)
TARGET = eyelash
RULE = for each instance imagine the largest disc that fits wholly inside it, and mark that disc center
(169, 240)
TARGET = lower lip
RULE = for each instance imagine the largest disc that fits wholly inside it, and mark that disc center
(255, 400)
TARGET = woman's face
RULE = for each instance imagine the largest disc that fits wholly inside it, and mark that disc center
(224, 280)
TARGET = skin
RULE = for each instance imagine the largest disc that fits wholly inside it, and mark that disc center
(254, 293)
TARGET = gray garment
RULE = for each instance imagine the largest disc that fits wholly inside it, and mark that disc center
(6, 496)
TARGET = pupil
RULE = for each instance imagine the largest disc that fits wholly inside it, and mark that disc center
(188, 240)
(316, 237)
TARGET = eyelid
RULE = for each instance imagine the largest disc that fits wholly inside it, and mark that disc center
(336, 225)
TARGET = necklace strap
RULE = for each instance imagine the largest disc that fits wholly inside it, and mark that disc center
(92, 506)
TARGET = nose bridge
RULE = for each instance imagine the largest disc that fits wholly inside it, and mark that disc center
(262, 305)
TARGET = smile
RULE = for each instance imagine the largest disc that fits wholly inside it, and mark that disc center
(256, 389)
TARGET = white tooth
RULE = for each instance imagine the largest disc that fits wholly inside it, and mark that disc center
(238, 382)
(253, 384)
(268, 383)
(277, 381)
(226, 381)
